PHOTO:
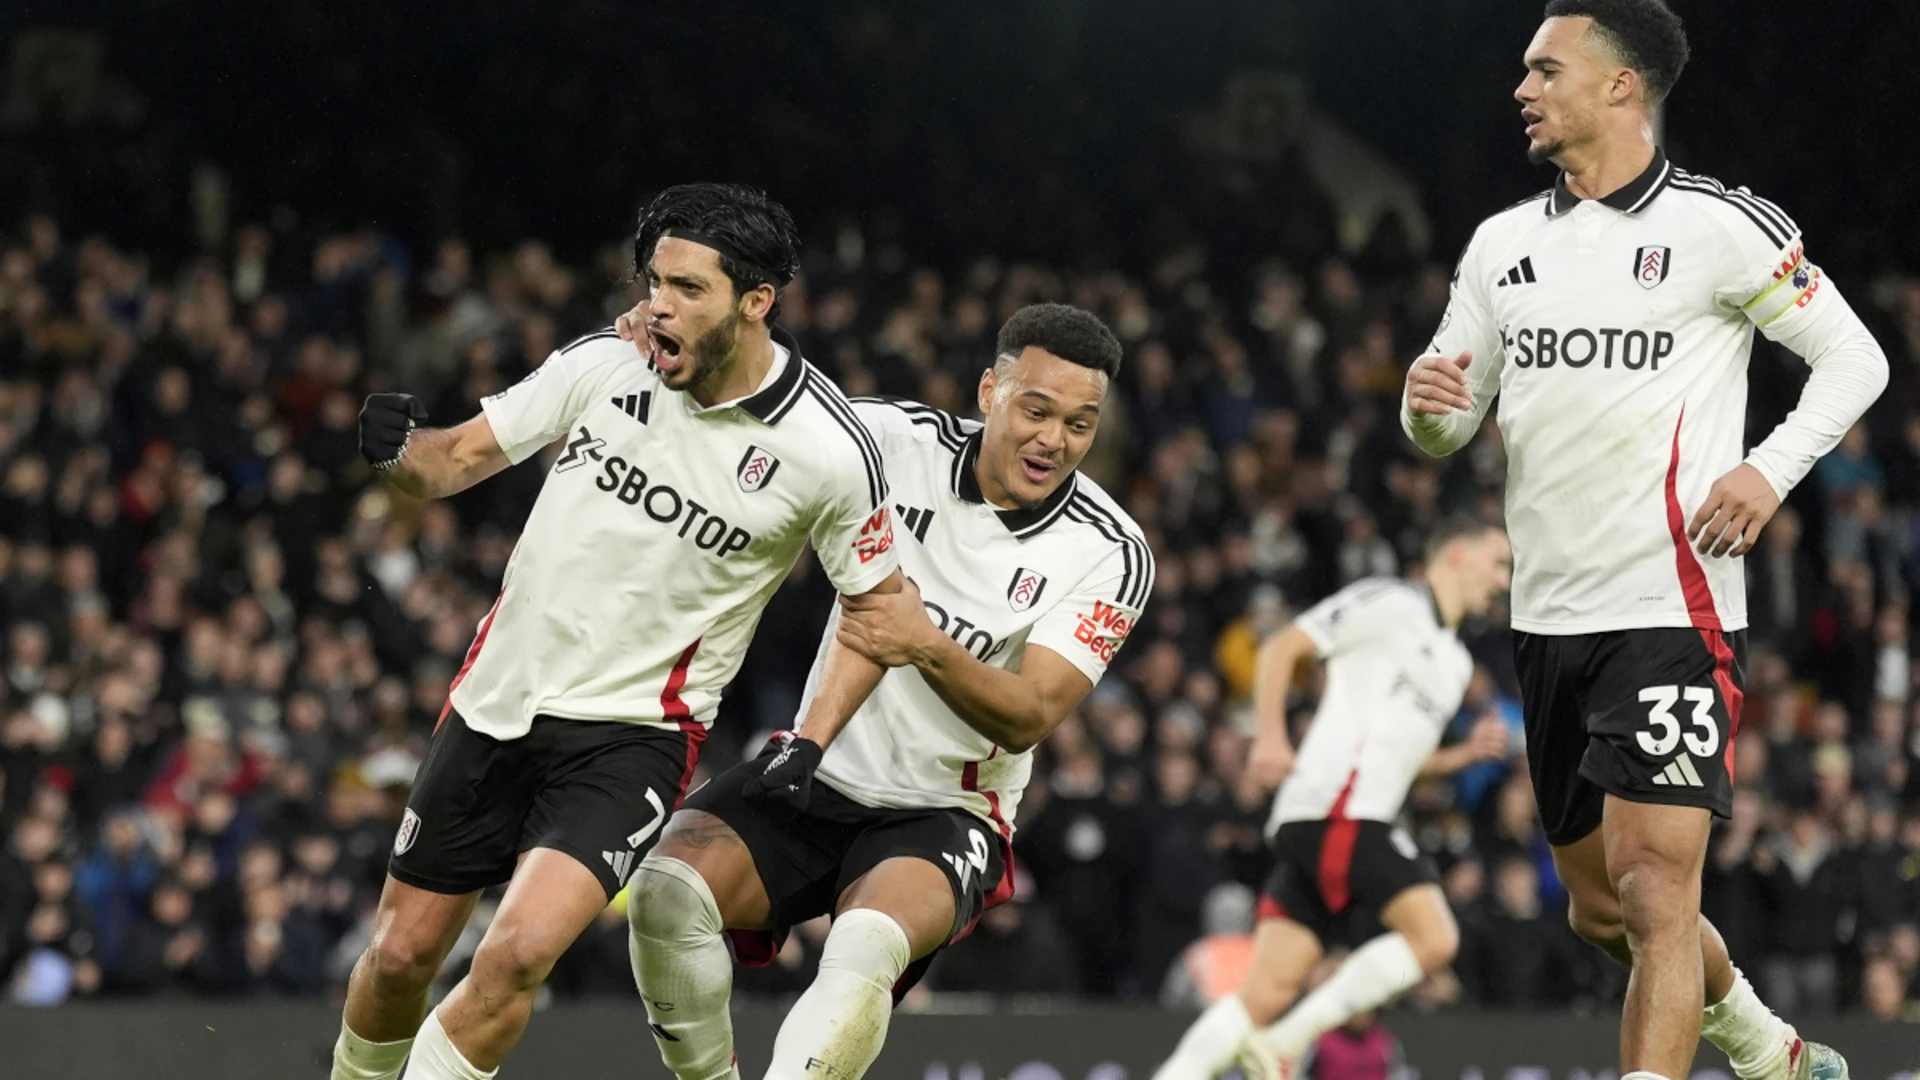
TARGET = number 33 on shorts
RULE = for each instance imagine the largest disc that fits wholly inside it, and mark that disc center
(1664, 728)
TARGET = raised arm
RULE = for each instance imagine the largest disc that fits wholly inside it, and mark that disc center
(427, 463)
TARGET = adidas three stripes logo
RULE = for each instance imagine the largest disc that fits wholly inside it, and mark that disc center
(635, 405)
(1521, 274)
(1679, 773)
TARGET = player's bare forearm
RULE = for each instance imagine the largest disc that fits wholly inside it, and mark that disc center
(846, 681)
(425, 473)
(1280, 655)
(1445, 762)
(848, 675)
(1016, 711)
(1486, 741)
(446, 461)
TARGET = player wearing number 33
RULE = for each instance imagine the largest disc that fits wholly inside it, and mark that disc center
(685, 480)
(1613, 315)
(1024, 579)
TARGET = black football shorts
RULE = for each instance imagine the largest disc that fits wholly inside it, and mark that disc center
(807, 859)
(1645, 715)
(1334, 876)
(598, 790)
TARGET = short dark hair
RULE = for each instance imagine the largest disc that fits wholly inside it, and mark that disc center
(754, 235)
(1070, 333)
(1455, 527)
(1646, 34)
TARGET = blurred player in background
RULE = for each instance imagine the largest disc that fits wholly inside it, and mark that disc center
(1024, 580)
(1344, 872)
(1613, 315)
(690, 480)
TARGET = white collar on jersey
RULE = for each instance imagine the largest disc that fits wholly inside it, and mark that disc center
(1631, 199)
(1023, 522)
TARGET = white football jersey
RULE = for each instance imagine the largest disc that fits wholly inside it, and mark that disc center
(1072, 575)
(1395, 679)
(660, 533)
(1616, 334)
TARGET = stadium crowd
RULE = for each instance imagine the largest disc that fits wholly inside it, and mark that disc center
(225, 644)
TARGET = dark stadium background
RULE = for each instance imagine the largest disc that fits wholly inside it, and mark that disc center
(294, 171)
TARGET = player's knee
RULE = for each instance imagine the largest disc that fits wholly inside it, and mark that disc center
(1596, 924)
(1436, 946)
(668, 900)
(1268, 994)
(1654, 900)
(513, 959)
(401, 963)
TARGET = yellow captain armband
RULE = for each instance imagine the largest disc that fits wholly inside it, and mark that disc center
(1794, 285)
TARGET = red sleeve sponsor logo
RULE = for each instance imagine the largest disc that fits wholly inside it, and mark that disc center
(1103, 631)
(876, 537)
(1792, 260)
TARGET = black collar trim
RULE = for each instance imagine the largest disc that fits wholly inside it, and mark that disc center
(1432, 602)
(774, 401)
(1022, 523)
(1628, 200)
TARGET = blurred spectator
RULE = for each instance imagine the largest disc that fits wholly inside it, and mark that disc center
(1017, 948)
(1218, 961)
(1360, 1049)
(1803, 900)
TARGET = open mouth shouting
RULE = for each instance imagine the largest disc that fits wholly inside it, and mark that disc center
(666, 351)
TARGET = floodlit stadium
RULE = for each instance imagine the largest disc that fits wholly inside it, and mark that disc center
(1044, 540)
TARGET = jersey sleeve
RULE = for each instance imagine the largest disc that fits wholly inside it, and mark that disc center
(1092, 623)
(1363, 612)
(1467, 325)
(890, 421)
(543, 406)
(1777, 288)
(1765, 274)
(853, 530)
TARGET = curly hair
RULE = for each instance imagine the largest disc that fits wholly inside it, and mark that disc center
(754, 235)
(1645, 34)
(1070, 333)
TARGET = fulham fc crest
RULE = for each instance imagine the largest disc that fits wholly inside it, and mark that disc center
(1025, 588)
(409, 832)
(756, 469)
(1650, 265)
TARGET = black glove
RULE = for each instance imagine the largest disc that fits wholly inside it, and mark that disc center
(787, 776)
(386, 423)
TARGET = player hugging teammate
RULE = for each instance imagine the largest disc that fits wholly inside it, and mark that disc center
(1024, 579)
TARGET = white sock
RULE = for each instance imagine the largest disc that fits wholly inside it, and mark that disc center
(354, 1058)
(1757, 1042)
(682, 967)
(436, 1058)
(1376, 973)
(1209, 1046)
(840, 1023)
